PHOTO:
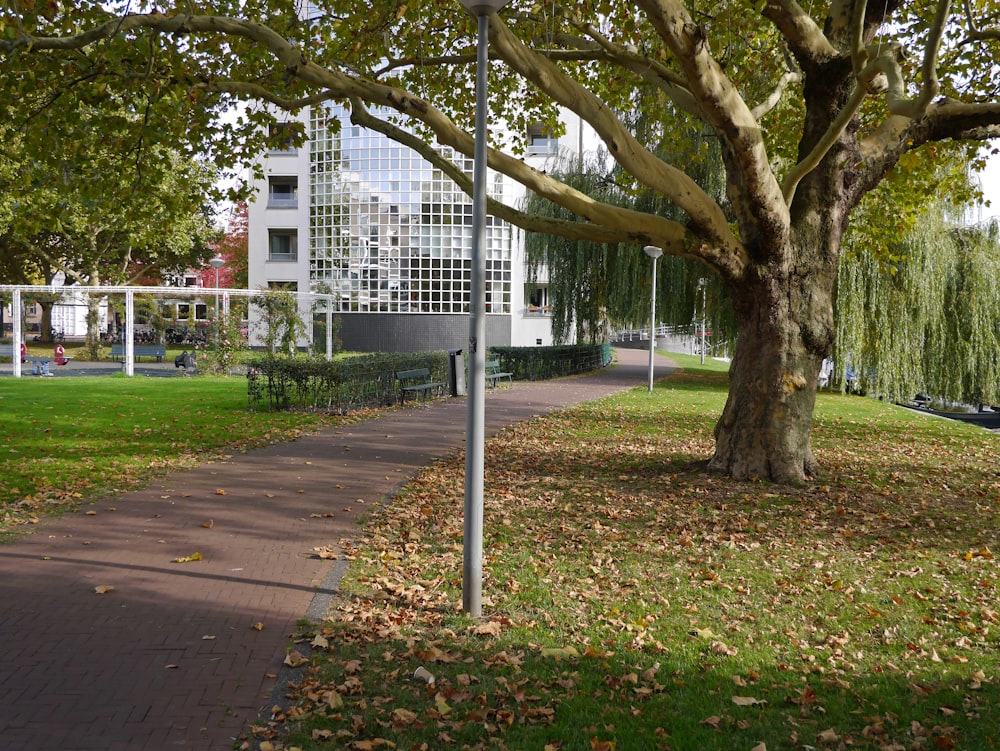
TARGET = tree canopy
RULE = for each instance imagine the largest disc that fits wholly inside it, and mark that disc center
(811, 107)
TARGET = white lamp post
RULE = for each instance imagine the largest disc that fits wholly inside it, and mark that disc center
(475, 431)
(217, 263)
(703, 285)
(653, 252)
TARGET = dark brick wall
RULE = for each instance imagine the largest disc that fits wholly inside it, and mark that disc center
(403, 332)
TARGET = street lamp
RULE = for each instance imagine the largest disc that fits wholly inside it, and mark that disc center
(217, 263)
(653, 252)
(475, 431)
(703, 285)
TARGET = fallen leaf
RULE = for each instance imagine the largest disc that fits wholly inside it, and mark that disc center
(712, 722)
(104, 589)
(209, 524)
(441, 705)
(748, 701)
(827, 737)
(258, 626)
(759, 747)
(403, 717)
(187, 558)
(220, 491)
(559, 653)
(489, 628)
(295, 659)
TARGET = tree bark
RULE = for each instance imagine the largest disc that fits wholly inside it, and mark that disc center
(786, 330)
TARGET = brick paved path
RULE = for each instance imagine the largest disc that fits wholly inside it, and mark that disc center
(170, 658)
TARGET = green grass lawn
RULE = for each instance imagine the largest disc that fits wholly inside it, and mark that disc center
(631, 600)
(64, 441)
(634, 602)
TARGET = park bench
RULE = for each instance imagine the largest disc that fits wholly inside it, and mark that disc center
(158, 351)
(7, 352)
(417, 381)
(494, 374)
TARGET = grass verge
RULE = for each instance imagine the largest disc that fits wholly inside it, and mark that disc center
(634, 602)
(66, 441)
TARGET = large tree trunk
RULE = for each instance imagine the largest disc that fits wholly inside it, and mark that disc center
(786, 329)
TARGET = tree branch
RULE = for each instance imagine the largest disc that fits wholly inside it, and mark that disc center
(633, 226)
(638, 161)
(803, 36)
(727, 113)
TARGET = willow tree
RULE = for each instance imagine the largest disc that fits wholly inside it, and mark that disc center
(812, 107)
(924, 317)
(596, 287)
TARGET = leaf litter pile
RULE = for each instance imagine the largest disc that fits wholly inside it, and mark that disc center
(632, 601)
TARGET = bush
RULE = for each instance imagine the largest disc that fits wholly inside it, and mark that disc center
(542, 363)
(279, 382)
(276, 382)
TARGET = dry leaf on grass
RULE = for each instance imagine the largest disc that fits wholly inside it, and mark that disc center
(748, 701)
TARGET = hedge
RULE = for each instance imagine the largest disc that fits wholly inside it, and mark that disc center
(278, 382)
(341, 385)
(542, 363)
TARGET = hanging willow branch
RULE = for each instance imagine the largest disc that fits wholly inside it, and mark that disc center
(595, 287)
(926, 317)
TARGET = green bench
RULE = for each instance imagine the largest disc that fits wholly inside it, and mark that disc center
(158, 351)
(417, 381)
(494, 375)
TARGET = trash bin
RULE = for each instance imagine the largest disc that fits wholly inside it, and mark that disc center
(456, 372)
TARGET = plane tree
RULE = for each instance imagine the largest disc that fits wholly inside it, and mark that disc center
(811, 108)
(92, 208)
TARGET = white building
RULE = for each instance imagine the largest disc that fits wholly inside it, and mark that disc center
(356, 214)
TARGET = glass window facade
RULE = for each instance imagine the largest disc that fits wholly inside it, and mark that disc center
(389, 232)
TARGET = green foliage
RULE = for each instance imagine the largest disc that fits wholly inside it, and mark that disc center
(342, 385)
(543, 363)
(226, 339)
(923, 315)
(97, 212)
(596, 288)
(280, 322)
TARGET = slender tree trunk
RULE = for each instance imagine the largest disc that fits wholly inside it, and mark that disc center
(45, 326)
(786, 329)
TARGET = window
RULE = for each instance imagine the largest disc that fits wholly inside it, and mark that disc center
(541, 141)
(282, 245)
(282, 192)
(282, 138)
(190, 280)
(538, 298)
